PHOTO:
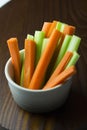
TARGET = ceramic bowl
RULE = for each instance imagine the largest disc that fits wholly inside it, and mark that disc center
(37, 100)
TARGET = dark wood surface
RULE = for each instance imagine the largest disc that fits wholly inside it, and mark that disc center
(17, 19)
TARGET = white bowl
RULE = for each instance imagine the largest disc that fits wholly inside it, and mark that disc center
(37, 100)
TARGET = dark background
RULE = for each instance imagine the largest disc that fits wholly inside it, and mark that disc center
(17, 19)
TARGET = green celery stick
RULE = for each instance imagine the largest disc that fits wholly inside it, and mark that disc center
(22, 56)
(45, 41)
(31, 37)
(22, 67)
(38, 37)
(22, 75)
(44, 44)
(63, 49)
(74, 59)
(60, 26)
(74, 43)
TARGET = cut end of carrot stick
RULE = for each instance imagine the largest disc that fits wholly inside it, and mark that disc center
(52, 27)
(46, 27)
(11, 40)
(69, 30)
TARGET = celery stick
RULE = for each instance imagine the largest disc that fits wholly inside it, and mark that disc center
(22, 67)
(38, 37)
(74, 43)
(60, 26)
(74, 59)
(44, 44)
(22, 56)
(31, 37)
(45, 41)
(63, 49)
(22, 75)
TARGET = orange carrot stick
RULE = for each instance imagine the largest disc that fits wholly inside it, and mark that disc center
(61, 65)
(69, 30)
(53, 26)
(46, 27)
(29, 61)
(54, 57)
(61, 77)
(14, 52)
(43, 63)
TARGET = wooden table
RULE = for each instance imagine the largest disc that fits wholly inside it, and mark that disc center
(17, 19)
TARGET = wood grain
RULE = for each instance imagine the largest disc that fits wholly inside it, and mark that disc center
(17, 19)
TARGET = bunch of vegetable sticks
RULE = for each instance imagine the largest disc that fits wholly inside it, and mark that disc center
(49, 56)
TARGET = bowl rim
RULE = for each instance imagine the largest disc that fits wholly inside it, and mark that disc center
(26, 89)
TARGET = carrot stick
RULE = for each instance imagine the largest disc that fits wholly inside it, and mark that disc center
(61, 77)
(69, 30)
(46, 27)
(54, 58)
(53, 26)
(43, 63)
(29, 61)
(29, 37)
(61, 65)
(14, 52)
